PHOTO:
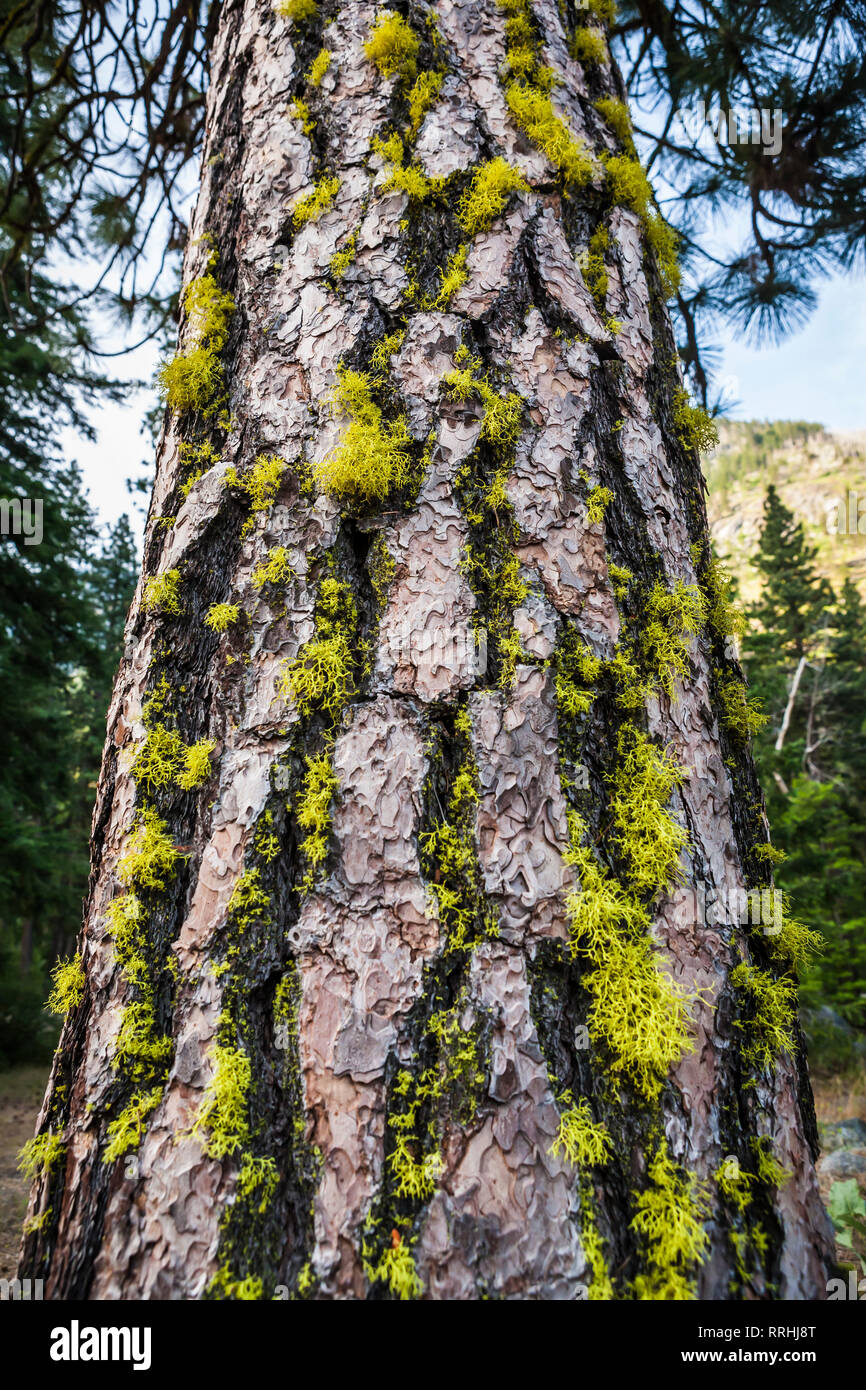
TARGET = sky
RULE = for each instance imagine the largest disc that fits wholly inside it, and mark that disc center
(817, 374)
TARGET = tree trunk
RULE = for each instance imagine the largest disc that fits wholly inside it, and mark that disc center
(424, 980)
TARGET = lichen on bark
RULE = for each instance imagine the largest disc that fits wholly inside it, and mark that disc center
(431, 593)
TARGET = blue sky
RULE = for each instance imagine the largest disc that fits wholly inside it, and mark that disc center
(816, 374)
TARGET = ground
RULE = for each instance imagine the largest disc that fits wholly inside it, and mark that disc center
(21, 1092)
(836, 1098)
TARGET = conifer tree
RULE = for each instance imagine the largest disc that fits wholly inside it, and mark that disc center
(428, 741)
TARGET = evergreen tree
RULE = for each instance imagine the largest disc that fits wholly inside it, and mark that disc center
(383, 988)
(807, 662)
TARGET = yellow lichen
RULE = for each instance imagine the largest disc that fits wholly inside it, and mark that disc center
(319, 67)
(487, 195)
(673, 618)
(322, 676)
(310, 209)
(392, 46)
(193, 377)
(422, 96)
(297, 10)
(772, 1004)
(692, 425)
(579, 1138)
(68, 982)
(372, 457)
(161, 594)
(276, 569)
(313, 808)
(39, 1155)
(221, 1124)
(220, 616)
(533, 111)
(151, 857)
(669, 1217)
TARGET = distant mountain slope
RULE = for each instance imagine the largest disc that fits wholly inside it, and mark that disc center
(813, 470)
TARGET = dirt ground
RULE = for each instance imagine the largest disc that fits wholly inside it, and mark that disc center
(21, 1091)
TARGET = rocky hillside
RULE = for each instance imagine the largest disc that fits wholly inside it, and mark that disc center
(814, 471)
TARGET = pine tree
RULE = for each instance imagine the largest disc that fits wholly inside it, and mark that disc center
(427, 739)
(793, 603)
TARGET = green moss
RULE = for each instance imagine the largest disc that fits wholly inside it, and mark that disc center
(319, 67)
(741, 716)
(772, 1005)
(151, 858)
(393, 46)
(311, 208)
(68, 984)
(40, 1155)
(692, 425)
(161, 594)
(372, 458)
(221, 616)
(579, 1139)
(487, 195)
(194, 376)
(221, 1124)
(127, 1131)
(673, 618)
(668, 1220)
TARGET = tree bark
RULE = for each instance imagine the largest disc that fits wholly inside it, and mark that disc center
(342, 1055)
